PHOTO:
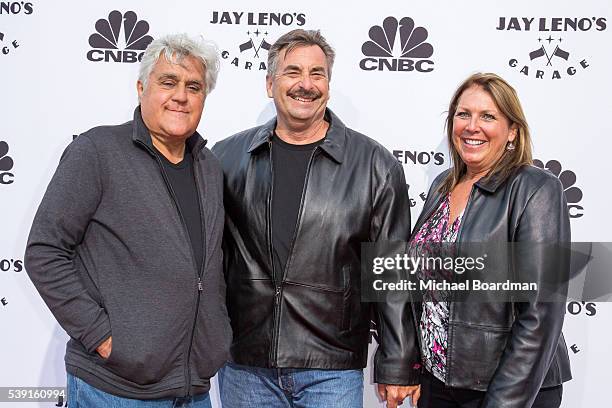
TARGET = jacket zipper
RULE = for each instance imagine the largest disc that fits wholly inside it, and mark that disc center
(278, 285)
(200, 285)
(451, 305)
(277, 289)
(193, 260)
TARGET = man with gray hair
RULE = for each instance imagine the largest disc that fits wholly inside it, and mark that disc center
(125, 248)
(302, 192)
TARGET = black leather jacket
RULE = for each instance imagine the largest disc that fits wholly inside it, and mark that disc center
(509, 350)
(309, 315)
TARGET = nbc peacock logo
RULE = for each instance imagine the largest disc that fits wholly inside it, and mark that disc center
(119, 38)
(6, 164)
(397, 46)
(573, 195)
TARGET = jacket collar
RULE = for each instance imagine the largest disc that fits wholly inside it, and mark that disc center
(488, 184)
(140, 134)
(491, 184)
(334, 144)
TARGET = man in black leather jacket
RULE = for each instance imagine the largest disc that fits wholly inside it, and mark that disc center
(302, 192)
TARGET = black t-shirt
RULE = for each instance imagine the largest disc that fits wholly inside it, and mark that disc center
(182, 180)
(290, 163)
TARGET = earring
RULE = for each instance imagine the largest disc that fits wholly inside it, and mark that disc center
(510, 146)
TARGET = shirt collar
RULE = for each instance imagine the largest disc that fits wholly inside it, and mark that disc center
(334, 144)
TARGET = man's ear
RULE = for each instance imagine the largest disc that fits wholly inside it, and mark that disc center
(139, 88)
(269, 81)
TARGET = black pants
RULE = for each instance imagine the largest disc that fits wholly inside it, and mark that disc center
(434, 394)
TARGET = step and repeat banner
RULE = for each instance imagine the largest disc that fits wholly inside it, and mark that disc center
(67, 66)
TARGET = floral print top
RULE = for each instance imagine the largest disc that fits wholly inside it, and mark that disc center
(435, 315)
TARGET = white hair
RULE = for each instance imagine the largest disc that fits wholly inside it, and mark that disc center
(176, 47)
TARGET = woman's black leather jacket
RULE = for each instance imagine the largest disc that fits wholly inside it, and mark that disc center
(510, 350)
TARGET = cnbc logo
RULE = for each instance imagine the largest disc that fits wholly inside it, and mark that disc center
(573, 194)
(6, 164)
(397, 46)
(119, 38)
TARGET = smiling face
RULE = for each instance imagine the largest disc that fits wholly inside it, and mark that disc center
(172, 103)
(480, 130)
(300, 86)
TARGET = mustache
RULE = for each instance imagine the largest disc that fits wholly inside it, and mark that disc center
(305, 94)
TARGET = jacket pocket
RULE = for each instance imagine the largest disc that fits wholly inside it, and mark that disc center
(142, 352)
(113, 357)
(488, 343)
(331, 305)
(345, 322)
(212, 339)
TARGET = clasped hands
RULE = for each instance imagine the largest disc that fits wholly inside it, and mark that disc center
(394, 395)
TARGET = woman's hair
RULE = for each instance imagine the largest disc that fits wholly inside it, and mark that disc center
(508, 103)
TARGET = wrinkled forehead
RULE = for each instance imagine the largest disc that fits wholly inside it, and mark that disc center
(193, 65)
(303, 55)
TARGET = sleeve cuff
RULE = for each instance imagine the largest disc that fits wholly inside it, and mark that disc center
(401, 376)
(97, 335)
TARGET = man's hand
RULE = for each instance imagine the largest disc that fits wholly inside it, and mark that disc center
(394, 394)
(104, 349)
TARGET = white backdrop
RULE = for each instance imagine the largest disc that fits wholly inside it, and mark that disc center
(52, 91)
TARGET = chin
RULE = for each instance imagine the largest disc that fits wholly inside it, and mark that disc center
(304, 114)
(472, 161)
(179, 134)
(180, 131)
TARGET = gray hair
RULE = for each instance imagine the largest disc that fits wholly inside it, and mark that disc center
(299, 38)
(175, 48)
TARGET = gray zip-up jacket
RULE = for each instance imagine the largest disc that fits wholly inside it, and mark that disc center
(110, 255)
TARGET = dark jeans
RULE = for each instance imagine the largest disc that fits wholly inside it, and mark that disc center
(434, 394)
